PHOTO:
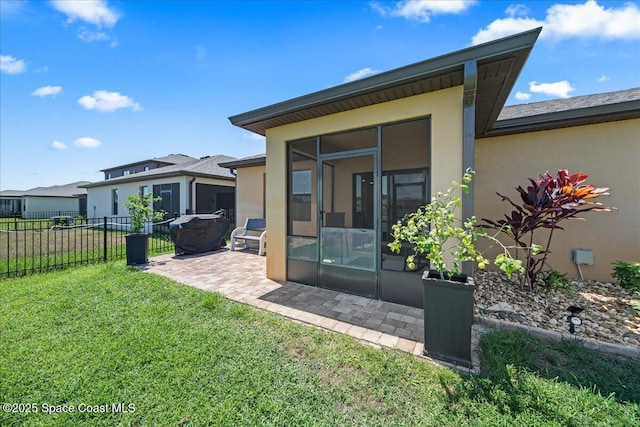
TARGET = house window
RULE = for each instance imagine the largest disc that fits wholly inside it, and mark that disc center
(107, 175)
(144, 190)
(146, 168)
(126, 172)
(114, 201)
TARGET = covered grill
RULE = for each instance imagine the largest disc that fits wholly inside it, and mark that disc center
(193, 234)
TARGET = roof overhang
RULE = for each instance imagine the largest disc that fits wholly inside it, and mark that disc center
(562, 119)
(244, 163)
(498, 63)
(149, 178)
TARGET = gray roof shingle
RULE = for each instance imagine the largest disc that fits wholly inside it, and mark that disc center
(258, 159)
(175, 158)
(73, 189)
(205, 167)
(567, 104)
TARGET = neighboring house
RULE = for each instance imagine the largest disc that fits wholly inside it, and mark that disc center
(345, 163)
(145, 165)
(250, 187)
(10, 203)
(43, 202)
(194, 186)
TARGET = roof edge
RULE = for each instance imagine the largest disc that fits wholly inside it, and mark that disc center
(255, 161)
(389, 78)
(138, 178)
(563, 116)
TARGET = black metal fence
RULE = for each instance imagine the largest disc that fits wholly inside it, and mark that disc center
(38, 245)
(40, 215)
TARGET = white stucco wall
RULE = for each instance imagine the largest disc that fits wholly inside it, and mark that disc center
(99, 198)
(32, 205)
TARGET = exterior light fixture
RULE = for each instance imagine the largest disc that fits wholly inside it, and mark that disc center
(573, 318)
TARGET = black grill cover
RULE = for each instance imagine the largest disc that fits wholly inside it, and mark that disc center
(194, 234)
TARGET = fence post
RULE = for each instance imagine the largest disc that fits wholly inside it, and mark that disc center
(15, 221)
(104, 238)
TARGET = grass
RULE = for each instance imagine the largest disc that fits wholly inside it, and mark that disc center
(567, 361)
(106, 334)
(39, 249)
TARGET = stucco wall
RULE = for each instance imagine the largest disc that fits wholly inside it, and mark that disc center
(33, 205)
(609, 153)
(249, 193)
(445, 109)
(99, 198)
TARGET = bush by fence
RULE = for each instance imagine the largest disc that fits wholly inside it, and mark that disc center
(38, 245)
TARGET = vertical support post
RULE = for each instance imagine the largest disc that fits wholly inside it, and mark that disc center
(104, 239)
(468, 141)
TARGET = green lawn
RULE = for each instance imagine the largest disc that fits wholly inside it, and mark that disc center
(104, 334)
(38, 250)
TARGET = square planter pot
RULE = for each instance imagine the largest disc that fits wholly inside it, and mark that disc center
(448, 316)
(137, 245)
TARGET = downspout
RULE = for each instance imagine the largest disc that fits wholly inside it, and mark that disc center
(190, 210)
(468, 141)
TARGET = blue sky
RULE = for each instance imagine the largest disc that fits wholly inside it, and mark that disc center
(86, 85)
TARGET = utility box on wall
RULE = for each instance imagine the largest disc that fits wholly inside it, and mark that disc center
(583, 256)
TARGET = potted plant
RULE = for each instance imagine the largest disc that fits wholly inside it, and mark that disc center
(137, 241)
(435, 232)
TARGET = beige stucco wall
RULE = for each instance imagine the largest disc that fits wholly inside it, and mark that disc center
(445, 109)
(609, 153)
(249, 193)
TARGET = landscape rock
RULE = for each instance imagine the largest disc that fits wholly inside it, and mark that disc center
(608, 315)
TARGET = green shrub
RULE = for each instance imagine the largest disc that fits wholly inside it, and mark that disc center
(627, 273)
(553, 279)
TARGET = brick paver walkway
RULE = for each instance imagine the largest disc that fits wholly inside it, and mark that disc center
(241, 276)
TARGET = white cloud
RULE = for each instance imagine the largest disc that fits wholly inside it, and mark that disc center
(360, 74)
(505, 27)
(423, 10)
(563, 21)
(92, 36)
(86, 142)
(523, 96)
(603, 78)
(57, 145)
(517, 10)
(47, 90)
(108, 101)
(96, 12)
(559, 89)
(11, 65)
(592, 20)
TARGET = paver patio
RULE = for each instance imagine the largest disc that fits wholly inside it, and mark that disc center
(241, 276)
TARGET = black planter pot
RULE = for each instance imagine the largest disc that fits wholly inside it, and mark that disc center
(448, 316)
(137, 245)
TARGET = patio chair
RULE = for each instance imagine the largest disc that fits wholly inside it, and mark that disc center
(257, 226)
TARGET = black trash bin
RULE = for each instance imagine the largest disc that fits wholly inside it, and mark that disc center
(194, 234)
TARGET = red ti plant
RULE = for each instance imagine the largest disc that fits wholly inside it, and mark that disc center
(545, 203)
